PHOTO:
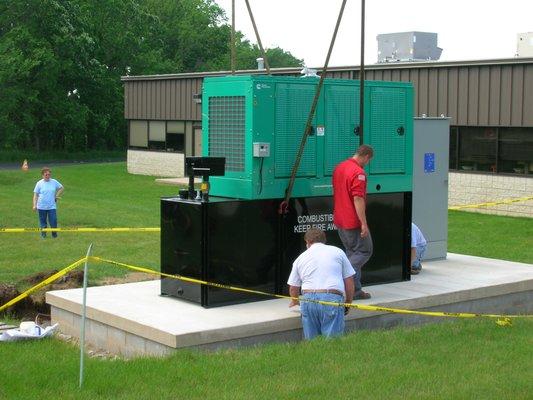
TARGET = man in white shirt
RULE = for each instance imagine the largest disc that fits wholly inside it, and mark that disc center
(418, 247)
(321, 273)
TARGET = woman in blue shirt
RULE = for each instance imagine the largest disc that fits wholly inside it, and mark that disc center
(45, 196)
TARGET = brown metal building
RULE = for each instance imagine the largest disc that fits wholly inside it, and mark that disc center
(490, 103)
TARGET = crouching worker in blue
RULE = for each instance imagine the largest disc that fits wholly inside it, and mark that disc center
(321, 273)
(418, 247)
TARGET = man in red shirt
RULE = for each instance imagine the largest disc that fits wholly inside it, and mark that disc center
(349, 211)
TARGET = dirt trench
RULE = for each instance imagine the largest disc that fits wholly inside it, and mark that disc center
(35, 304)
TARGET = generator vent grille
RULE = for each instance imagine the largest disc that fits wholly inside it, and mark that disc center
(226, 130)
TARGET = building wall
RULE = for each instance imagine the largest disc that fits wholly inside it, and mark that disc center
(155, 163)
(471, 93)
(467, 188)
(162, 99)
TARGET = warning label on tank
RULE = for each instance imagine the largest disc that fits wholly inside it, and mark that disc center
(323, 222)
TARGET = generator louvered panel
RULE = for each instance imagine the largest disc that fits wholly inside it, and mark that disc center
(387, 120)
(293, 103)
(227, 130)
(341, 118)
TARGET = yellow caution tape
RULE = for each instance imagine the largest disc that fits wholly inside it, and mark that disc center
(47, 281)
(21, 230)
(502, 320)
(491, 203)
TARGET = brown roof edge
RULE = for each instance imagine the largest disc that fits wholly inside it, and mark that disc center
(389, 65)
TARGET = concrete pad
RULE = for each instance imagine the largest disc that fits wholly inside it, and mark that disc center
(134, 319)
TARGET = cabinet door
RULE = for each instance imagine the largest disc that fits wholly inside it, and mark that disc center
(386, 131)
(182, 241)
(341, 115)
(293, 103)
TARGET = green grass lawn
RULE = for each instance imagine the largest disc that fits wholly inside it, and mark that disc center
(469, 359)
(506, 238)
(105, 195)
(463, 359)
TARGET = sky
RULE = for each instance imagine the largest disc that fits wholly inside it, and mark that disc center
(467, 29)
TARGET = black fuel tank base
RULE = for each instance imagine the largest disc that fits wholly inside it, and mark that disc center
(245, 243)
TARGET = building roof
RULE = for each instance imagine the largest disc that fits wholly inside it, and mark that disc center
(380, 66)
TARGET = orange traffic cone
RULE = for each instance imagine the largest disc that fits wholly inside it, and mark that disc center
(25, 166)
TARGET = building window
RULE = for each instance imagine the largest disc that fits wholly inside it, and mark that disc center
(156, 135)
(489, 149)
(477, 149)
(139, 134)
(159, 135)
(176, 136)
(515, 153)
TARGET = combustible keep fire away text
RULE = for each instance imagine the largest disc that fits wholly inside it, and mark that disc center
(320, 221)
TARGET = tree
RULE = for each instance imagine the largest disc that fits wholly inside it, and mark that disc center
(61, 62)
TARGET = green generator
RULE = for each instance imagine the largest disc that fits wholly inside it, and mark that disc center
(257, 122)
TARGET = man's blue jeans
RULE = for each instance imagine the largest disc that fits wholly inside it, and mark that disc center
(51, 216)
(318, 319)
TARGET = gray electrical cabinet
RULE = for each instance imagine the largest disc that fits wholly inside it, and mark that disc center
(430, 183)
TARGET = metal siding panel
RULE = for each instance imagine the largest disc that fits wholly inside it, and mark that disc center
(484, 95)
(188, 101)
(142, 100)
(528, 96)
(387, 75)
(505, 96)
(174, 96)
(396, 76)
(473, 96)
(167, 101)
(132, 100)
(405, 75)
(495, 95)
(462, 97)
(517, 95)
(148, 101)
(157, 96)
(182, 106)
(413, 77)
(154, 107)
(442, 92)
(160, 99)
(139, 102)
(453, 90)
(423, 92)
(179, 95)
(433, 92)
(126, 101)
(154, 102)
(197, 115)
(161, 92)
